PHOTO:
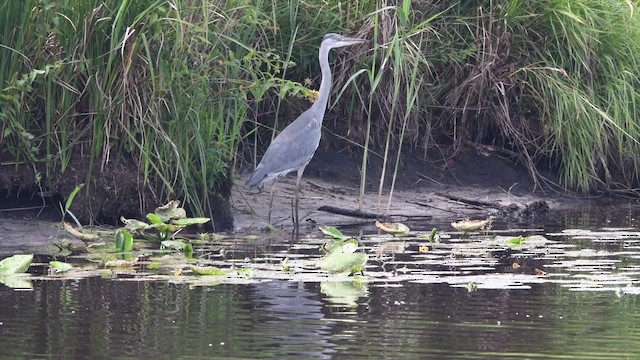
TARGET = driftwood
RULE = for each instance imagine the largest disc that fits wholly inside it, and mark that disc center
(472, 202)
(533, 209)
(349, 212)
(369, 215)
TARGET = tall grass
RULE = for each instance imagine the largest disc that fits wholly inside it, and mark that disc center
(167, 84)
(171, 85)
(552, 81)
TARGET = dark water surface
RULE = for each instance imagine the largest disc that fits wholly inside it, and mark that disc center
(96, 318)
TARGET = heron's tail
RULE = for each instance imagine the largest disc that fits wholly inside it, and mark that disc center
(257, 177)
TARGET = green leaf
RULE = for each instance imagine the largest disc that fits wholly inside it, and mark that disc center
(208, 270)
(333, 232)
(124, 240)
(346, 246)
(72, 196)
(393, 228)
(15, 264)
(59, 266)
(190, 221)
(518, 240)
(153, 218)
(340, 262)
(16, 281)
(432, 235)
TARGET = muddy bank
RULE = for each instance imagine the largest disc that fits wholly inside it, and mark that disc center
(469, 185)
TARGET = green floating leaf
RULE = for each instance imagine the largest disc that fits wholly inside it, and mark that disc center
(154, 219)
(345, 246)
(333, 232)
(393, 228)
(190, 221)
(15, 264)
(59, 266)
(16, 281)
(342, 258)
(338, 262)
(208, 270)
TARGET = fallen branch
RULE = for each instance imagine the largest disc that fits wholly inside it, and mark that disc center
(350, 212)
(471, 202)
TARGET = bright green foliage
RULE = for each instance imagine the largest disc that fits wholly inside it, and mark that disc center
(59, 266)
(171, 84)
(124, 240)
(341, 257)
(334, 232)
(166, 221)
(15, 264)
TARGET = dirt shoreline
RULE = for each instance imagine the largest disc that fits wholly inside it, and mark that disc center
(332, 180)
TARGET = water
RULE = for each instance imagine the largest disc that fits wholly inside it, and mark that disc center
(97, 318)
(583, 310)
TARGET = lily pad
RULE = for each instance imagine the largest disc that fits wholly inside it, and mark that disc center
(393, 228)
(15, 264)
(342, 258)
(154, 219)
(333, 232)
(59, 266)
(338, 262)
(467, 225)
(346, 246)
(190, 221)
(16, 281)
(208, 270)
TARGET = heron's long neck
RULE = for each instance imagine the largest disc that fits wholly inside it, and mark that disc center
(320, 105)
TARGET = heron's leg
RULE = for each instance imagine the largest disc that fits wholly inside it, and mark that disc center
(296, 219)
(273, 192)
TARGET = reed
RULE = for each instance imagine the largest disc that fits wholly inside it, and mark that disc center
(179, 86)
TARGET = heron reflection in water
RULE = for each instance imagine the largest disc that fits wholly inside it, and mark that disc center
(294, 147)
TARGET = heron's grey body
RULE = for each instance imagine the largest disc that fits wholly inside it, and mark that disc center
(294, 147)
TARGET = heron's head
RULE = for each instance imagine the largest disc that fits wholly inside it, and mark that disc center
(332, 40)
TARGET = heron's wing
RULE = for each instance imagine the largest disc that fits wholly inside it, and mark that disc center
(291, 149)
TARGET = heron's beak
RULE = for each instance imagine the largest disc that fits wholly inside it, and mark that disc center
(353, 41)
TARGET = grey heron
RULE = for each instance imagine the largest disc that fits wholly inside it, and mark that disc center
(294, 147)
